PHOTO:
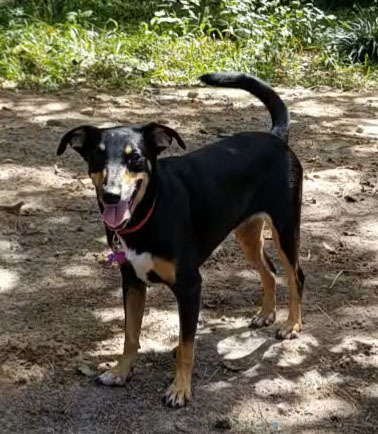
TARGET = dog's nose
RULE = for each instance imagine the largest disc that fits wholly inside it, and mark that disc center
(111, 198)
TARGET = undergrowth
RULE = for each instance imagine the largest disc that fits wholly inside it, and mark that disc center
(111, 43)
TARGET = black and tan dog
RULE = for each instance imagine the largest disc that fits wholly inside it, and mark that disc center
(166, 216)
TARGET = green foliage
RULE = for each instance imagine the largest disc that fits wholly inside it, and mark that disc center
(42, 55)
(101, 11)
(115, 43)
(257, 19)
(357, 40)
(340, 4)
(45, 56)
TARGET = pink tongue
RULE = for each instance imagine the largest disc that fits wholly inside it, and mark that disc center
(115, 215)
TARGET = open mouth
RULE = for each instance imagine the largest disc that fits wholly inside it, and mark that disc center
(115, 216)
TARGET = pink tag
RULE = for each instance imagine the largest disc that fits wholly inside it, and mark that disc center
(119, 257)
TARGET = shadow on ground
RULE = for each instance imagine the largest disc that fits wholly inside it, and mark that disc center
(61, 311)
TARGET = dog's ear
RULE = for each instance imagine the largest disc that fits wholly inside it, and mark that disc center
(158, 137)
(81, 139)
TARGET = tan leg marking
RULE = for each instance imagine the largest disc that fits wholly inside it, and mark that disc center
(179, 392)
(251, 239)
(293, 325)
(135, 301)
(165, 269)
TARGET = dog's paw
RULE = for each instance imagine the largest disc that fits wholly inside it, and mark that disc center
(177, 396)
(289, 330)
(262, 319)
(116, 376)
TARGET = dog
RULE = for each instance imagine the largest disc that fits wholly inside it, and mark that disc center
(164, 217)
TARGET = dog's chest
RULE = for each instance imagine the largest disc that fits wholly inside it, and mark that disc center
(148, 268)
(141, 262)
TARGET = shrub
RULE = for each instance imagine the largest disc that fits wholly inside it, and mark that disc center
(357, 40)
(271, 32)
(256, 19)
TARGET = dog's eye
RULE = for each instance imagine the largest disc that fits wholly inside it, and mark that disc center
(134, 157)
(135, 162)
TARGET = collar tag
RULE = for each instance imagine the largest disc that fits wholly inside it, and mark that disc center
(117, 255)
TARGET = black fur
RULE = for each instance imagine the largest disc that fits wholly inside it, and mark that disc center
(202, 196)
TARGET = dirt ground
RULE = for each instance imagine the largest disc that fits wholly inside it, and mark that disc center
(61, 315)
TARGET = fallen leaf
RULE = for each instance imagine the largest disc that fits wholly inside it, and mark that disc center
(329, 248)
(86, 370)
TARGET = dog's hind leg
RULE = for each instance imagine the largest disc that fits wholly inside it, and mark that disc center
(251, 239)
(286, 238)
(134, 297)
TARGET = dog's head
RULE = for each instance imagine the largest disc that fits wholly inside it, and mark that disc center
(121, 161)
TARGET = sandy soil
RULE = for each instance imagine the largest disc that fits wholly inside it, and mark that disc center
(61, 317)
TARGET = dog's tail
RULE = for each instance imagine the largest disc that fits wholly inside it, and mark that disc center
(277, 108)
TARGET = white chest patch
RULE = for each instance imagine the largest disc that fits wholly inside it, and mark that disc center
(142, 263)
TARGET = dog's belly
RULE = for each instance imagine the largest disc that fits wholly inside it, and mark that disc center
(150, 269)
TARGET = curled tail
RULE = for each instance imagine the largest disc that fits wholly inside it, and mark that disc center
(277, 108)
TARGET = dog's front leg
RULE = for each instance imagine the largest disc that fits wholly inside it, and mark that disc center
(188, 293)
(134, 297)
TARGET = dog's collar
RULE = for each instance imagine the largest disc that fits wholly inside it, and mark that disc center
(131, 229)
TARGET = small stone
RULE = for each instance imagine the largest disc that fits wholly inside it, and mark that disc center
(88, 111)
(192, 94)
(350, 199)
(55, 123)
(85, 370)
(359, 129)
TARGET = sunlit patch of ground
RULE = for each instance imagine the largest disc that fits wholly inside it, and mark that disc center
(61, 316)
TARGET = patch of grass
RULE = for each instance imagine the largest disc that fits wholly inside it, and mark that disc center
(89, 11)
(45, 56)
(52, 44)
